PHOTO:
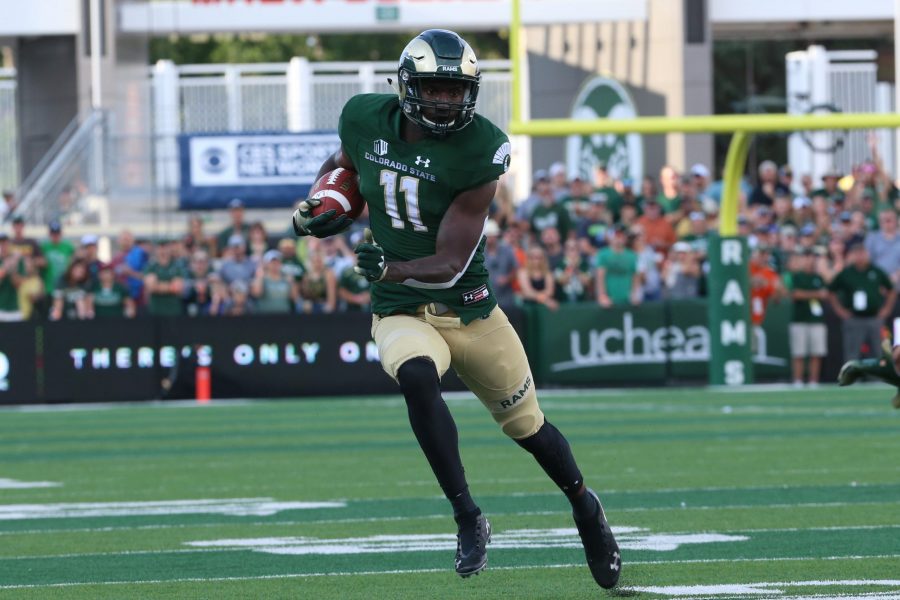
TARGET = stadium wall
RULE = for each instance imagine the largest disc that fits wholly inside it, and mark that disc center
(330, 355)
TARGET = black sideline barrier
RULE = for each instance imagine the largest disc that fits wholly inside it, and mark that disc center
(325, 355)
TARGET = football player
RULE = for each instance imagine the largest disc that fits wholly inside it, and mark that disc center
(886, 367)
(428, 169)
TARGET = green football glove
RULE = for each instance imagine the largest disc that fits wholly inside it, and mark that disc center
(321, 226)
(370, 258)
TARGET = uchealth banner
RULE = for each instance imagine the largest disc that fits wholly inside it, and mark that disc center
(585, 344)
(271, 170)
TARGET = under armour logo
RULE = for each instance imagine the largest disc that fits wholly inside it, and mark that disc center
(423, 161)
(615, 564)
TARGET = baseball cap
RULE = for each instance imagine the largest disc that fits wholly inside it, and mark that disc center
(742, 220)
(801, 202)
(491, 228)
(54, 226)
(271, 255)
(789, 231)
(18, 219)
(846, 216)
(627, 183)
(808, 229)
(832, 172)
(236, 203)
(3, 236)
(697, 216)
(853, 243)
(236, 240)
(710, 206)
(541, 175)
(681, 247)
(700, 170)
(557, 168)
(89, 239)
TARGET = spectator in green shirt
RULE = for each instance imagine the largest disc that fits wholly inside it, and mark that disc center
(830, 189)
(275, 291)
(863, 297)
(70, 295)
(11, 271)
(617, 280)
(354, 290)
(605, 190)
(669, 197)
(58, 253)
(549, 213)
(574, 279)
(108, 298)
(163, 283)
(808, 333)
(238, 225)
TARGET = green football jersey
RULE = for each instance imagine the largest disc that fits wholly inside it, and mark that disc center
(808, 311)
(408, 189)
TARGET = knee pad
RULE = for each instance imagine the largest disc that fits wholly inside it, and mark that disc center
(519, 416)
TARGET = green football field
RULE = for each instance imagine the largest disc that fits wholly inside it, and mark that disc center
(746, 494)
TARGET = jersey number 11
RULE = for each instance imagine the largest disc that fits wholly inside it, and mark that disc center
(410, 188)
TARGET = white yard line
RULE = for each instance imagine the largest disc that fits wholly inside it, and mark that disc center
(413, 572)
(444, 516)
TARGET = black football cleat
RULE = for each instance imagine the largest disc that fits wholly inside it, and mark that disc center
(600, 546)
(471, 545)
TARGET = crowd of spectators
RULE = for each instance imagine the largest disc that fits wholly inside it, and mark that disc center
(240, 270)
(607, 240)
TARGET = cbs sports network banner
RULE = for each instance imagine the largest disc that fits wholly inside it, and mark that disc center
(266, 170)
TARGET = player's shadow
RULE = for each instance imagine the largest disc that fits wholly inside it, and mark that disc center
(623, 593)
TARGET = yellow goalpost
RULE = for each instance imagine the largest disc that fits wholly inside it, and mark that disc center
(729, 320)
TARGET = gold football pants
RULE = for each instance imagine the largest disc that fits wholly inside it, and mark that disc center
(487, 354)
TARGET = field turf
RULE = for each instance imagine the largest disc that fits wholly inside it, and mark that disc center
(766, 493)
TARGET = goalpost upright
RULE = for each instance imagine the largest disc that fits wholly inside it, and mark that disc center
(728, 290)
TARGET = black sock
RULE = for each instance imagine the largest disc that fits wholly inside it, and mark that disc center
(463, 505)
(583, 504)
(552, 452)
(435, 430)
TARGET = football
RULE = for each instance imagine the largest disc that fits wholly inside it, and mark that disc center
(338, 190)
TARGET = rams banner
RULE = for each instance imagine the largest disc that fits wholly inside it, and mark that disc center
(264, 170)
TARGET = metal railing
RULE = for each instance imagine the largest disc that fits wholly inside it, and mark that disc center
(295, 96)
(70, 172)
(9, 151)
